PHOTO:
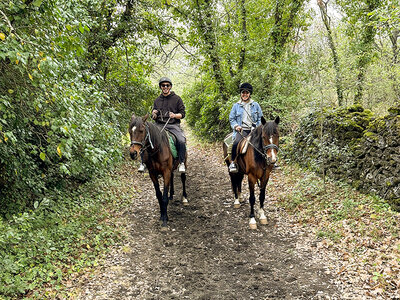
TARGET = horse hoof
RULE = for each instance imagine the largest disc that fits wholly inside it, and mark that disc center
(164, 228)
(264, 221)
(253, 223)
(236, 204)
(185, 202)
(253, 226)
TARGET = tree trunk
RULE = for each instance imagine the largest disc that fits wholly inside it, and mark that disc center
(281, 30)
(365, 49)
(242, 54)
(208, 32)
(326, 20)
(394, 36)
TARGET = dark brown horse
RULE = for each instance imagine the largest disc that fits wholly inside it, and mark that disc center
(257, 163)
(153, 142)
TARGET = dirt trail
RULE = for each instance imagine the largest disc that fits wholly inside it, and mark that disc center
(209, 252)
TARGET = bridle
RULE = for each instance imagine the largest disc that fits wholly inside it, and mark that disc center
(271, 146)
(265, 148)
(144, 141)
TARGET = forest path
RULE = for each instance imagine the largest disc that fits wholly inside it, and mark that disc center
(209, 252)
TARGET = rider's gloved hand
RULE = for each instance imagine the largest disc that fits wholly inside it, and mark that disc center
(154, 114)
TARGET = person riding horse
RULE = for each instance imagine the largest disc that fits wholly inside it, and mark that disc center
(245, 116)
(168, 110)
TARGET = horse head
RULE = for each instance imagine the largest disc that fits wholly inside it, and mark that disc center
(270, 137)
(138, 134)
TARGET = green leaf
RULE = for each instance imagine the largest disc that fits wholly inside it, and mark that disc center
(42, 156)
(37, 3)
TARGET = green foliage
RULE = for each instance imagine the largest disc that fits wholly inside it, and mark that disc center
(203, 105)
(63, 235)
(249, 47)
(65, 103)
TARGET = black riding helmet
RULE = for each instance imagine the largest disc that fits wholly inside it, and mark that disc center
(246, 87)
(164, 79)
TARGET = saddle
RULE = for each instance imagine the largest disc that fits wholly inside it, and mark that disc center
(172, 143)
(242, 146)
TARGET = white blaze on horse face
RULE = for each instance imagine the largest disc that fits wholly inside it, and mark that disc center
(273, 152)
(133, 129)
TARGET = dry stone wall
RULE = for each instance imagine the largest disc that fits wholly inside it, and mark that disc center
(350, 145)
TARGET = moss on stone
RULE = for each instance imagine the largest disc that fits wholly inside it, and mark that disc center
(355, 108)
(395, 110)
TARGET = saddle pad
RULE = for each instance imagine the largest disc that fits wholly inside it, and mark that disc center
(244, 144)
(172, 145)
(228, 140)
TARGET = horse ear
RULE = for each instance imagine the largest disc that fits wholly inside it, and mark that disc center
(145, 118)
(133, 117)
(263, 121)
(277, 119)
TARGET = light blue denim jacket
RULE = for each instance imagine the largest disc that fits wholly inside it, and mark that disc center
(237, 111)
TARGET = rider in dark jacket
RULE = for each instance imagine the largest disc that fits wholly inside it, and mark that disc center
(168, 110)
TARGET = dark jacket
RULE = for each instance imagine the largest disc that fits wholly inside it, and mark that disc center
(171, 103)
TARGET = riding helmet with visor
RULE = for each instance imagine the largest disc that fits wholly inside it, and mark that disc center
(164, 79)
(246, 87)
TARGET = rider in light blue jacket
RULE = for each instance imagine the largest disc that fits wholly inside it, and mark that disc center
(245, 115)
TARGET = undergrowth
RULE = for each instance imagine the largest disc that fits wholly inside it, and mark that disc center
(360, 230)
(64, 235)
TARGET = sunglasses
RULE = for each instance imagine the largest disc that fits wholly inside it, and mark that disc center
(165, 85)
(245, 92)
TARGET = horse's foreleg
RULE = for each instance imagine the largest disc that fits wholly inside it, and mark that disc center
(184, 195)
(159, 196)
(261, 213)
(263, 186)
(252, 200)
(164, 200)
(240, 180)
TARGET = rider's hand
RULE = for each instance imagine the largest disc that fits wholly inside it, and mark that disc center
(154, 114)
(238, 128)
(172, 115)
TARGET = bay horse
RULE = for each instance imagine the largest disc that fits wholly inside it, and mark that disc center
(257, 163)
(153, 142)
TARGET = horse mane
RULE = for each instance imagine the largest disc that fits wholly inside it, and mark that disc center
(256, 140)
(271, 128)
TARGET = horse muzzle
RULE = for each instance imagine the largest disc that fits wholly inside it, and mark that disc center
(273, 157)
(133, 154)
(135, 149)
(271, 160)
